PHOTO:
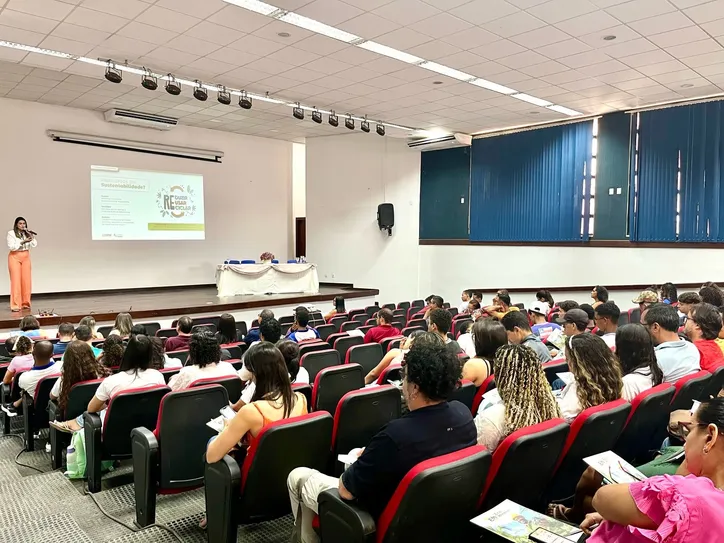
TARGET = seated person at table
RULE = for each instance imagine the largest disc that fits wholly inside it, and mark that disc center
(606, 319)
(501, 306)
(135, 372)
(635, 352)
(273, 400)
(112, 353)
(253, 334)
(290, 352)
(43, 366)
(90, 322)
(227, 330)
(123, 325)
(383, 329)
(395, 356)
(433, 427)
(683, 508)
(23, 359)
(703, 327)
(596, 375)
(181, 341)
(204, 362)
(440, 323)
(300, 330)
(526, 396)
(65, 336)
(488, 336)
(676, 357)
(79, 365)
(519, 333)
(84, 333)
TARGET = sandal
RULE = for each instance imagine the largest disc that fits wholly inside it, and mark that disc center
(61, 426)
(558, 511)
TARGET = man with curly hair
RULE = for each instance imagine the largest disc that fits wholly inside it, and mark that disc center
(433, 427)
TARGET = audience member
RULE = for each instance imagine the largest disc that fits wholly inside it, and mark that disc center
(541, 327)
(123, 325)
(440, 323)
(84, 333)
(712, 295)
(465, 298)
(270, 332)
(384, 328)
(488, 336)
(635, 352)
(588, 309)
(395, 356)
(599, 295)
(290, 352)
(646, 298)
(519, 333)
(676, 357)
(112, 354)
(702, 328)
(473, 308)
(204, 361)
(686, 301)
(501, 306)
(90, 322)
(181, 341)
(668, 294)
(433, 302)
(137, 329)
(23, 359)
(30, 327)
(65, 336)
(545, 296)
(606, 319)
(273, 400)
(160, 360)
(43, 366)
(478, 297)
(565, 306)
(433, 427)
(227, 332)
(575, 322)
(526, 397)
(720, 338)
(338, 302)
(79, 364)
(596, 375)
(300, 330)
(253, 334)
(465, 340)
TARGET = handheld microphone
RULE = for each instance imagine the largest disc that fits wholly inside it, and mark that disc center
(31, 232)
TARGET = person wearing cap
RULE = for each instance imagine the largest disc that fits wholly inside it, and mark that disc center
(519, 333)
(575, 322)
(501, 305)
(606, 319)
(541, 327)
(645, 299)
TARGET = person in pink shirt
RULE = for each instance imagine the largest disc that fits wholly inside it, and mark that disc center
(23, 359)
(383, 329)
(682, 508)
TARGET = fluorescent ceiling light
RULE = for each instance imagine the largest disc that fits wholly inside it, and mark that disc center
(33, 49)
(390, 52)
(254, 5)
(532, 99)
(484, 83)
(319, 28)
(565, 110)
(445, 70)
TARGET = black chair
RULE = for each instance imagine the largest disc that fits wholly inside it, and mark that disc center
(465, 393)
(166, 332)
(391, 307)
(371, 310)
(127, 410)
(391, 343)
(168, 373)
(350, 325)
(232, 384)
(35, 409)
(409, 329)
(417, 303)
(241, 329)
(326, 330)
(311, 346)
(359, 416)
(338, 320)
(418, 322)
(393, 372)
(354, 312)
(716, 383)
(403, 306)
(257, 490)
(642, 434)
(151, 328)
(459, 326)
(553, 368)
(343, 344)
(78, 398)
(287, 319)
(331, 384)
(104, 330)
(367, 356)
(170, 459)
(183, 356)
(689, 388)
(285, 329)
(316, 361)
(361, 318)
(434, 502)
(236, 350)
(399, 313)
(452, 310)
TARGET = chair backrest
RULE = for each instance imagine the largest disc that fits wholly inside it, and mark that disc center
(279, 448)
(361, 414)
(232, 384)
(436, 499)
(151, 328)
(338, 320)
(623, 318)
(311, 346)
(207, 327)
(465, 393)
(418, 322)
(79, 397)
(634, 315)
(459, 325)
(41, 399)
(354, 312)
(689, 388)
(403, 306)
(127, 410)
(241, 328)
(326, 330)
(361, 318)
(234, 349)
(349, 325)
(183, 435)
(367, 356)
(391, 307)
(286, 319)
(306, 389)
(168, 373)
(371, 321)
(553, 368)
(372, 309)
(331, 384)
(409, 329)
(393, 372)
(417, 303)
(391, 343)
(183, 356)
(452, 310)
(523, 464)
(104, 330)
(15, 386)
(343, 344)
(316, 361)
(716, 383)
(488, 385)
(166, 332)
(648, 418)
(399, 313)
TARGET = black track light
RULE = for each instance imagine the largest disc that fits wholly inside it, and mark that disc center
(381, 129)
(365, 126)
(200, 92)
(172, 86)
(333, 119)
(113, 74)
(149, 81)
(244, 101)
(317, 117)
(349, 122)
(298, 112)
(224, 96)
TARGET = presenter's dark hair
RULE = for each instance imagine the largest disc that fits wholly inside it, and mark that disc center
(15, 225)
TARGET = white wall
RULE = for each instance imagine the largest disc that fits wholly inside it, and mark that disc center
(299, 180)
(247, 200)
(347, 178)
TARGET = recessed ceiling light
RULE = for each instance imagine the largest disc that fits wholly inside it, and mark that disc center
(565, 110)
(437, 82)
(273, 130)
(610, 37)
(283, 34)
(215, 121)
(686, 86)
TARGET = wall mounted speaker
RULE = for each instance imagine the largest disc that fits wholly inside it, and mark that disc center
(386, 217)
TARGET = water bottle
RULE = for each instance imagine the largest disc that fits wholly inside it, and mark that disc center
(71, 465)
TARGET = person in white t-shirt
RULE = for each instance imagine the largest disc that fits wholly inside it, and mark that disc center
(204, 362)
(465, 298)
(135, 372)
(635, 351)
(43, 366)
(606, 319)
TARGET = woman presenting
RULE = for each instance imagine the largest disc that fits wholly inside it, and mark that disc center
(20, 240)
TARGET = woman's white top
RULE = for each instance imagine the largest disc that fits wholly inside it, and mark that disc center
(15, 243)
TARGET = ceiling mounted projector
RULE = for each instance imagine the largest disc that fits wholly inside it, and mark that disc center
(172, 87)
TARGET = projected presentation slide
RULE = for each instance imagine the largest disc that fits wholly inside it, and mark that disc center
(146, 205)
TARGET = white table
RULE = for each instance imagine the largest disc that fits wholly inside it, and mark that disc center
(259, 279)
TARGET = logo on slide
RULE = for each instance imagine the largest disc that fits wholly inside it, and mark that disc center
(176, 201)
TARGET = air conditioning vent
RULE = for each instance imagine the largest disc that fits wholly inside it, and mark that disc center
(138, 118)
(447, 141)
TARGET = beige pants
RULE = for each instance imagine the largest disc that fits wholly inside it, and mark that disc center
(305, 485)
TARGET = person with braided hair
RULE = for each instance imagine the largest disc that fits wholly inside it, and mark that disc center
(526, 396)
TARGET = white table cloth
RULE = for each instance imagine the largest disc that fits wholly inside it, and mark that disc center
(240, 279)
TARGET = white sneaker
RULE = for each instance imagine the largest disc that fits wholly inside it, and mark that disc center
(47, 448)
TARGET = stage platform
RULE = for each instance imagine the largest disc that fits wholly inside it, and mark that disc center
(150, 303)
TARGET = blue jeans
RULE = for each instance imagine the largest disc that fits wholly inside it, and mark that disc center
(558, 384)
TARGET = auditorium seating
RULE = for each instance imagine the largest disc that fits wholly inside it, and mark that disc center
(391, 307)
(404, 306)
(170, 459)
(337, 321)
(306, 389)
(183, 356)
(393, 372)
(459, 325)
(391, 343)
(207, 327)
(257, 490)
(410, 329)
(315, 362)
(367, 356)
(554, 367)
(465, 393)
(168, 373)
(166, 332)
(434, 502)
(311, 346)
(360, 414)
(349, 325)
(689, 388)
(286, 319)
(325, 330)
(354, 312)
(361, 318)
(331, 384)
(232, 385)
(488, 385)
(343, 344)
(9, 393)
(111, 440)
(716, 383)
(102, 330)
(418, 322)
(35, 409)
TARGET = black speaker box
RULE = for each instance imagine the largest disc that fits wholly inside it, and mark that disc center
(386, 216)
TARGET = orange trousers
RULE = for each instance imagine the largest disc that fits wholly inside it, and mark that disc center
(20, 280)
